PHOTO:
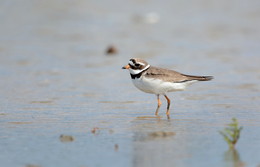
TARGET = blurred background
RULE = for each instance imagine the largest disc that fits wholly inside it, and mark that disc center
(57, 78)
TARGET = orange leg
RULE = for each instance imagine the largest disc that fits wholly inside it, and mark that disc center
(159, 105)
(168, 106)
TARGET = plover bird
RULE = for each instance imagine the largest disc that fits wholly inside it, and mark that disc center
(159, 81)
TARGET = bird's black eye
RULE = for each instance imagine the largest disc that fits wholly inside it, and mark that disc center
(137, 65)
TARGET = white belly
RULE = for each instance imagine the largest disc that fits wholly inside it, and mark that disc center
(156, 86)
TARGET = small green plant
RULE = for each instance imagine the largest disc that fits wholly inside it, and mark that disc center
(231, 133)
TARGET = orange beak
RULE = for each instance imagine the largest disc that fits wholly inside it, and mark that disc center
(126, 67)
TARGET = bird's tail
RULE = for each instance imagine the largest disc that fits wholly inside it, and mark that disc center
(199, 78)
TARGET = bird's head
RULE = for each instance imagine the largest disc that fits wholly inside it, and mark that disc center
(136, 66)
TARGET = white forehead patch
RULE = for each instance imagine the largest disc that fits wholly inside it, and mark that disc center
(131, 63)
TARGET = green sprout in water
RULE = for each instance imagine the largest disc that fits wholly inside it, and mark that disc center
(231, 133)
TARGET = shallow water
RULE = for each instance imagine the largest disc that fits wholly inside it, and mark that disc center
(57, 80)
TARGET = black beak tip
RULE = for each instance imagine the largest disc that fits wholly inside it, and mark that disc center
(123, 67)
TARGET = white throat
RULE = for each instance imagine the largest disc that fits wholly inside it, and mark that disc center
(134, 72)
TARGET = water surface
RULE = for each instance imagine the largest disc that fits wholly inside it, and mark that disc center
(57, 80)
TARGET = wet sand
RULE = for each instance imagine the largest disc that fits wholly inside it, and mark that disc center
(65, 102)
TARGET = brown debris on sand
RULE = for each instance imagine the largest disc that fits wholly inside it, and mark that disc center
(160, 134)
(111, 50)
(66, 138)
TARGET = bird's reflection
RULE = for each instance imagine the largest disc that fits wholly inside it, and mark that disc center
(151, 127)
(152, 141)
